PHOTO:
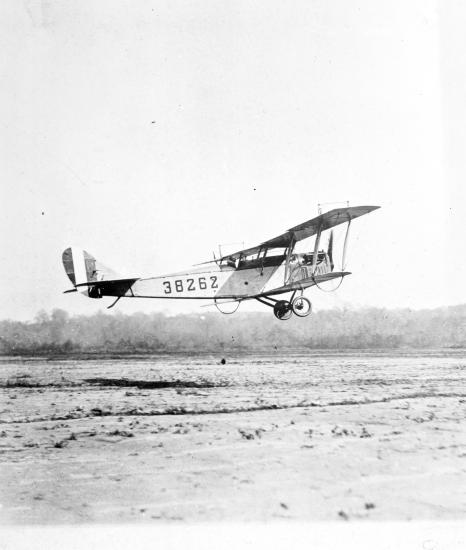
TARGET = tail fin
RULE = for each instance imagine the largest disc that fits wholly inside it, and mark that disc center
(83, 268)
(92, 278)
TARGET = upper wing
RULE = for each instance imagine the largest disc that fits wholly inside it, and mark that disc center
(307, 229)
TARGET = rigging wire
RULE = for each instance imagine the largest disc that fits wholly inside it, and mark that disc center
(343, 264)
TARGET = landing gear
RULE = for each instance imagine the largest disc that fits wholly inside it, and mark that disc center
(301, 306)
(282, 310)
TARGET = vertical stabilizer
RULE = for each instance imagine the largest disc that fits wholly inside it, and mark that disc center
(79, 265)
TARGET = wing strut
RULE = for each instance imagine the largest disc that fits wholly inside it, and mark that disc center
(287, 261)
(316, 248)
(343, 260)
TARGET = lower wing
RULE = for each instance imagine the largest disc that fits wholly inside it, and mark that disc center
(309, 281)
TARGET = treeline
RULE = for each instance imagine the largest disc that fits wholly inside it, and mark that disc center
(373, 328)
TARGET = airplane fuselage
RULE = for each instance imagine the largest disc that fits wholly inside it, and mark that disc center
(260, 272)
(226, 281)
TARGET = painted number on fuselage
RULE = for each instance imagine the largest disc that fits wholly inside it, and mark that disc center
(191, 284)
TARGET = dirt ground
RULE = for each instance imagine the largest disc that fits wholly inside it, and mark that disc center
(265, 437)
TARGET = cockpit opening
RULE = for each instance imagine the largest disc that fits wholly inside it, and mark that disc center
(271, 257)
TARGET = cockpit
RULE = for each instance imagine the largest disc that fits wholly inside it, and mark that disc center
(307, 258)
(270, 258)
(264, 258)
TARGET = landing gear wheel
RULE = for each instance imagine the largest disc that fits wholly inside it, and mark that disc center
(301, 306)
(282, 310)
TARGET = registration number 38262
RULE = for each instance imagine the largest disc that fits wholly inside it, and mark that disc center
(181, 285)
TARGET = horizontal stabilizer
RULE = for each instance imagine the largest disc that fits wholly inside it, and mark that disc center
(100, 284)
(112, 287)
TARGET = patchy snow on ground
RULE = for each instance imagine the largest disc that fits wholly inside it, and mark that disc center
(164, 439)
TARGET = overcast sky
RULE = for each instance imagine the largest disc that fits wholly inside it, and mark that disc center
(149, 132)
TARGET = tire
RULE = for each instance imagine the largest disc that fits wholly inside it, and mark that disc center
(301, 306)
(282, 310)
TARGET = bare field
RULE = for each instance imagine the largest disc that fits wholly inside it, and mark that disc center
(263, 437)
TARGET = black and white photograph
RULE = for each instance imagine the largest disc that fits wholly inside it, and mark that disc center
(233, 273)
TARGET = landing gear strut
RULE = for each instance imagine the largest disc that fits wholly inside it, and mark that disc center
(283, 309)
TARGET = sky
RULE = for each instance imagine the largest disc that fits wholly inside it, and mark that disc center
(150, 132)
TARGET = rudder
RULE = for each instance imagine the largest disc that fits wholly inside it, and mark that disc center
(81, 267)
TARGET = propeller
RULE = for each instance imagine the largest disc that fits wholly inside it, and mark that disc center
(330, 250)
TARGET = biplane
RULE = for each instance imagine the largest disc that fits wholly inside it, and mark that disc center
(265, 272)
